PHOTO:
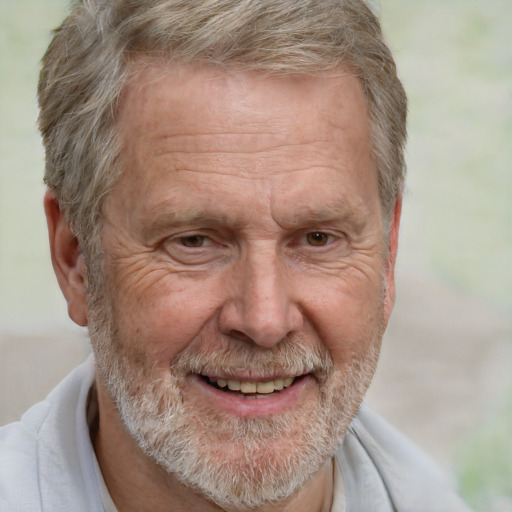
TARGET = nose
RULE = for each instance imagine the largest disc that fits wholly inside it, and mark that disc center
(261, 307)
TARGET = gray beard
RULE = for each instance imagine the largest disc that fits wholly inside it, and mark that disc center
(237, 463)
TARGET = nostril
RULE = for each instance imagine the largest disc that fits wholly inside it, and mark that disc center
(239, 335)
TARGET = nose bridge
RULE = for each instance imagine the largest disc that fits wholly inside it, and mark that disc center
(264, 292)
(264, 308)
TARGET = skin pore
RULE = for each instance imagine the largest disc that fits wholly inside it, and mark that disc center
(243, 242)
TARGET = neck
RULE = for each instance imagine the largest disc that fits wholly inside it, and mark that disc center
(135, 482)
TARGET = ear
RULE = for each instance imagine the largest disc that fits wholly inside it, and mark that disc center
(67, 260)
(392, 253)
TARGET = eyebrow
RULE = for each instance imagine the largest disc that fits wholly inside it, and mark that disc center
(193, 217)
(340, 211)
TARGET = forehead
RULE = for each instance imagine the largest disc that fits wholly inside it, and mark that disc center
(186, 124)
(192, 101)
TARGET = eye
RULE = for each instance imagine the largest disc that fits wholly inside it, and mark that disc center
(318, 238)
(195, 248)
(193, 241)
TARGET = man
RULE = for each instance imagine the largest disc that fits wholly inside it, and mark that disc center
(224, 189)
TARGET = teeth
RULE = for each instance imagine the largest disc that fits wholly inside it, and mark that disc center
(278, 384)
(288, 382)
(265, 387)
(234, 385)
(248, 387)
(261, 388)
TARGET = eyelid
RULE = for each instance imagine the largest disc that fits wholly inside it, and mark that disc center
(189, 256)
(191, 233)
(177, 242)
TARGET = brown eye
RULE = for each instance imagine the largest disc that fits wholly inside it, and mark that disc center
(317, 238)
(192, 241)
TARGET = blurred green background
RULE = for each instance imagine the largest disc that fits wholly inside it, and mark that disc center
(455, 59)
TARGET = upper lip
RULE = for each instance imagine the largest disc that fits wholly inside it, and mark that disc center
(248, 377)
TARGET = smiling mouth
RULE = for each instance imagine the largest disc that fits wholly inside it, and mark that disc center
(251, 389)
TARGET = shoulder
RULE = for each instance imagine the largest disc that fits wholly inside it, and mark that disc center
(39, 455)
(18, 462)
(393, 466)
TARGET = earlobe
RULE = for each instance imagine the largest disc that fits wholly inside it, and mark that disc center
(67, 260)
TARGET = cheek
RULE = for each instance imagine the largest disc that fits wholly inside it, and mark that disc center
(164, 319)
(348, 317)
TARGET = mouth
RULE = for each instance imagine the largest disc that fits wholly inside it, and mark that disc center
(251, 389)
(252, 396)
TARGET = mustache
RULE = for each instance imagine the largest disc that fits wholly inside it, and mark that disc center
(292, 356)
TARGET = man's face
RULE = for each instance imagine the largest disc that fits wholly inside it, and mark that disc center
(245, 275)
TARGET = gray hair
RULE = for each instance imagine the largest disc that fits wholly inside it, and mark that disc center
(88, 63)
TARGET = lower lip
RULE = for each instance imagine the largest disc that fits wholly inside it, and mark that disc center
(237, 405)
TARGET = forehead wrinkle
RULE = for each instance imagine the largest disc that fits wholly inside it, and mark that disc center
(195, 135)
(191, 144)
(248, 177)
